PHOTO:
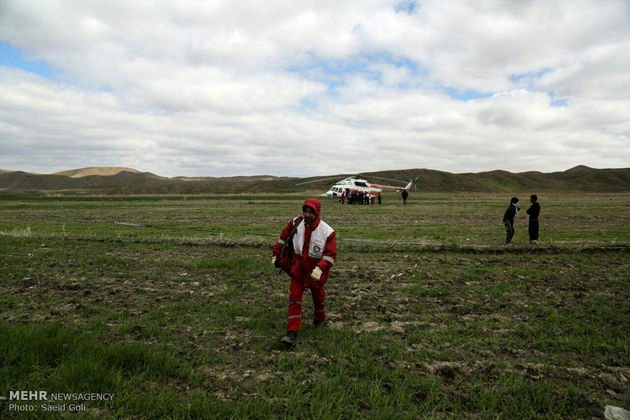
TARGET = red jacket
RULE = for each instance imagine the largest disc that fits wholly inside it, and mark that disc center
(314, 245)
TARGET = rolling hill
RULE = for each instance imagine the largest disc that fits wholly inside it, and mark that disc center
(121, 181)
(95, 170)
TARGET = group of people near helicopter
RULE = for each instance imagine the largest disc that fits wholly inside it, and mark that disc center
(359, 197)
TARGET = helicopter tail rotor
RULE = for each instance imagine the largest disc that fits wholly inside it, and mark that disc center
(413, 183)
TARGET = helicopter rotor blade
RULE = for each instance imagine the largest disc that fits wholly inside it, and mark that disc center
(320, 180)
(386, 179)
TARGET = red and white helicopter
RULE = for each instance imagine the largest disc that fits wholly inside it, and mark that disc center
(356, 183)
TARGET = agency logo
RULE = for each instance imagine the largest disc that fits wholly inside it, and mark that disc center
(34, 401)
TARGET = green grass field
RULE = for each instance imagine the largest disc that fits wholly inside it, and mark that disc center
(429, 315)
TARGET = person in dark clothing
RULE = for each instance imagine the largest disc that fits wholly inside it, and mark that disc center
(379, 198)
(534, 212)
(508, 219)
(404, 194)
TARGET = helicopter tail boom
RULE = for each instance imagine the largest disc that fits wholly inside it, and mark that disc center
(407, 187)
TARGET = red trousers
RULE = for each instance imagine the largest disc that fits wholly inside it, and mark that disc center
(295, 302)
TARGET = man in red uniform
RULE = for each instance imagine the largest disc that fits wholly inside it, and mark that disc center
(314, 245)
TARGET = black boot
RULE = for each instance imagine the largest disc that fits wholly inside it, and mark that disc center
(290, 339)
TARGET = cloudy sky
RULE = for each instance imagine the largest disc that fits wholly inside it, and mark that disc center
(305, 88)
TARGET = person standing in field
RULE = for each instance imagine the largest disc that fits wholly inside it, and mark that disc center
(508, 219)
(314, 253)
(404, 194)
(343, 197)
(534, 212)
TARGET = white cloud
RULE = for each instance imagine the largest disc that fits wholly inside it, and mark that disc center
(306, 88)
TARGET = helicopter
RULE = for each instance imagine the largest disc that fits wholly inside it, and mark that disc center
(356, 183)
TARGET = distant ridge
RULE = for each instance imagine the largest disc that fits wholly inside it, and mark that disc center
(122, 181)
(579, 169)
(95, 170)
